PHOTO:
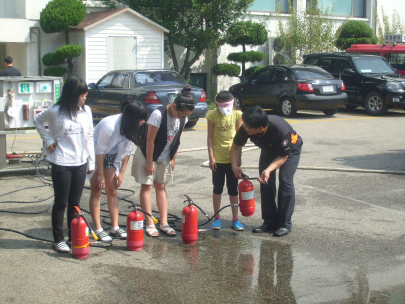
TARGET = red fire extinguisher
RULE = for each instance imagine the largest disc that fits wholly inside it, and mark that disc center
(80, 236)
(26, 112)
(135, 230)
(189, 225)
(246, 197)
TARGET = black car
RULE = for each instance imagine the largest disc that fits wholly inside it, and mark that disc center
(289, 88)
(153, 88)
(370, 81)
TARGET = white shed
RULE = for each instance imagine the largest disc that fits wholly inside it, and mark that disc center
(117, 39)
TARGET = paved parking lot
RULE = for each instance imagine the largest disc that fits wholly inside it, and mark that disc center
(347, 244)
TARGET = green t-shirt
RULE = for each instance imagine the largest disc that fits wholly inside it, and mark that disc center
(224, 132)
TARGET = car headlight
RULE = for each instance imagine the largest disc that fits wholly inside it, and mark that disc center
(393, 86)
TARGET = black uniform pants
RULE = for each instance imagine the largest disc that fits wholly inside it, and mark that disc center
(278, 215)
(68, 183)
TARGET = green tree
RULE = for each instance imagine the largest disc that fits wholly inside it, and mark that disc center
(195, 25)
(61, 16)
(305, 32)
(246, 33)
(353, 32)
(384, 26)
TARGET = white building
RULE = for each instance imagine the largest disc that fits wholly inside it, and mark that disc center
(22, 38)
(112, 38)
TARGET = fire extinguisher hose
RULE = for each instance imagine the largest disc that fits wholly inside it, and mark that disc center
(80, 213)
(190, 201)
(155, 220)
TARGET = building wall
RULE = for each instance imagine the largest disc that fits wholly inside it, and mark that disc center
(149, 44)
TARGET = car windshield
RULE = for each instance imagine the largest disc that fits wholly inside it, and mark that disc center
(372, 65)
(312, 73)
(158, 78)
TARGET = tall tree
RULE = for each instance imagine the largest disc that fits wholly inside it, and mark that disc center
(195, 25)
(386, 27)
(306, 32)
(61, 16)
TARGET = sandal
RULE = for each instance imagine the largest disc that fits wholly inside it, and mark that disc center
(168, 230)
(151, 231)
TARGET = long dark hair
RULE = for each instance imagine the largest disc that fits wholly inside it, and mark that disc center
(72, 89)
(184, 102)
(132, 113)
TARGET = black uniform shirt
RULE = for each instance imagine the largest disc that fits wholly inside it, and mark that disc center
(278, 138)
(10, 71)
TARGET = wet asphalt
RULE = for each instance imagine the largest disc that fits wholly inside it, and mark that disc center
(347, 244)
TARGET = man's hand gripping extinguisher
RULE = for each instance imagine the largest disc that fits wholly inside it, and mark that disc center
(246, 196)
(189, 225)
(80, 235)
(135, 228)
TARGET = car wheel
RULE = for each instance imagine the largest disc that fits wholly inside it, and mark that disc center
(330, 112)
(287, 107)
(238, 102)
(374, 104)
(191, 123)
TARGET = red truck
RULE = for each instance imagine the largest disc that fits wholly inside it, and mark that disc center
(394, 54)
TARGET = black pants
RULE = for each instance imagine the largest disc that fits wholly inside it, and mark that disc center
(68, 183)
(278, 215)
(218, 179)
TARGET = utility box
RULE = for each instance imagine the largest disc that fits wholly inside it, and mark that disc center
(24, 97)
(21, 99)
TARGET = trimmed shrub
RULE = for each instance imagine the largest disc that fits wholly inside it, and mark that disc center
(246, 33)
(70, 51)
(61, 15)
(250, 56)
(54, 71)
(52, 59)
(355, 32)
(228, 69)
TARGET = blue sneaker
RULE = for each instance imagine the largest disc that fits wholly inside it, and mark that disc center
(237, 226)
(216, 225)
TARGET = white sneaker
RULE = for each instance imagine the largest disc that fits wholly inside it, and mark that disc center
(61, 247)
(119, 233)
(103, 236)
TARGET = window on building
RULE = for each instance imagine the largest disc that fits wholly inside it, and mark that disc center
(121, 52)
(354, 8)
(270, 6)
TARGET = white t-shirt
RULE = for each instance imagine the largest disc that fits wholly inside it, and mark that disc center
(173, 126)
(74, 137)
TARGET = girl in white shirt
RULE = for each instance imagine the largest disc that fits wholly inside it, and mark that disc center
(69, 147)
(154, 160)
(114, 137)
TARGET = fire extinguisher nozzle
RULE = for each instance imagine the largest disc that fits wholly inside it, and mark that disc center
(155, 220)
(202, 230)
(94, 236)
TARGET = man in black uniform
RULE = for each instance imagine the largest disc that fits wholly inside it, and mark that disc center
(280, 149)
(9, 71)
